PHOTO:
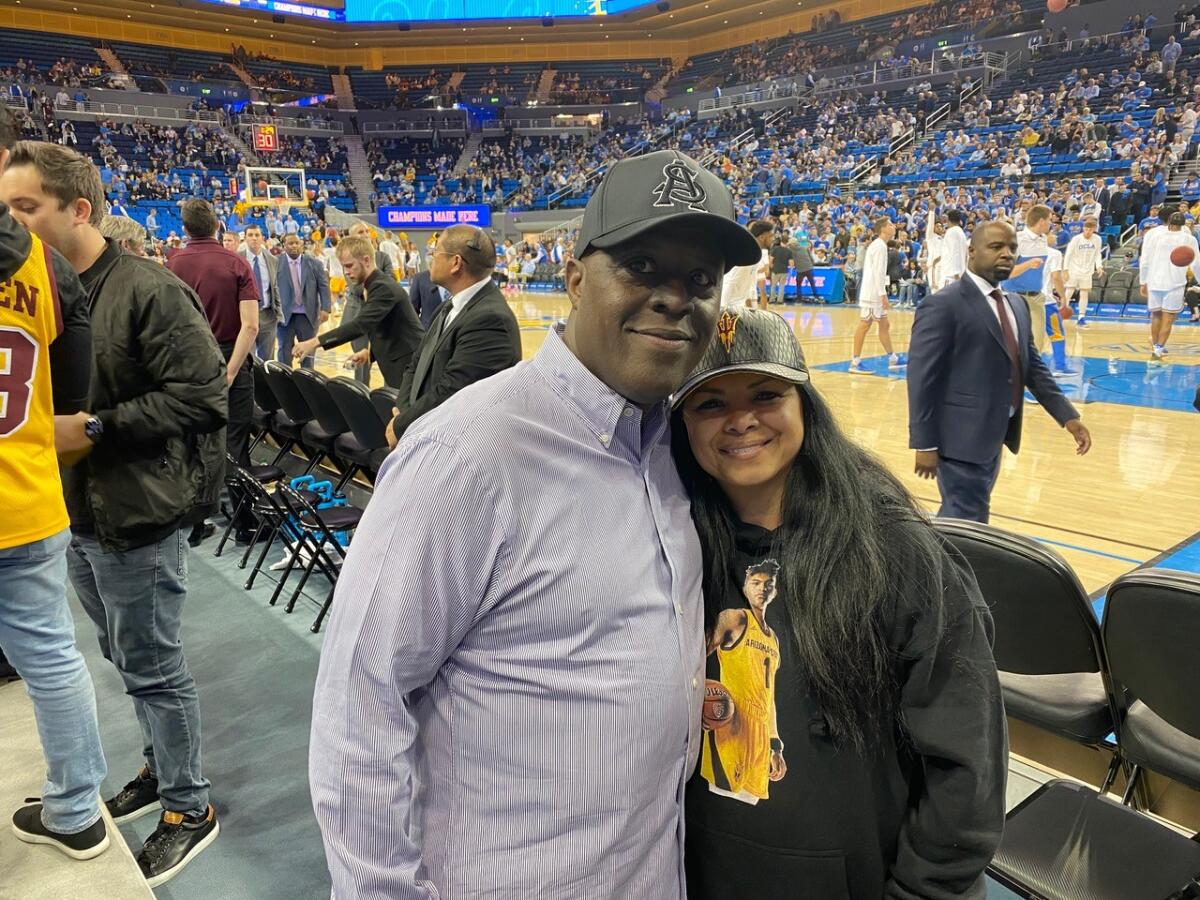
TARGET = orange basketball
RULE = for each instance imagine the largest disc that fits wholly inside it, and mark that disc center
(262, 185)
(718, 706)
(1066, 312)
(1056, 6)
(1182, 256)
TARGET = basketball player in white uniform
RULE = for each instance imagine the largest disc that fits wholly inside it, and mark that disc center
(954, 250)
(872, 296)
(1162, 282)
(1082, 260)
(933, 252)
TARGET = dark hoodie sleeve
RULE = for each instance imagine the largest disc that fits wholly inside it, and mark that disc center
(71, 351)
(953, 715)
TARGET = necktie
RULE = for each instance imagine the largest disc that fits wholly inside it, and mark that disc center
(259, 281)
(1014, 352)
(296, 278)
(447, 312)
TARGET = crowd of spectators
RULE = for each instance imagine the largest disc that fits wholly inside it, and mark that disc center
(579, 88)
(66, 73)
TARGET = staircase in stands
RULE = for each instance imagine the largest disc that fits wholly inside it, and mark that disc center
(246, 78)
(343, 91)
(470, 148)
(360, 170)
(545, 85)
(117, 68)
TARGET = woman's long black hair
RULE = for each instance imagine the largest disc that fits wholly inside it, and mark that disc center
(852, 541)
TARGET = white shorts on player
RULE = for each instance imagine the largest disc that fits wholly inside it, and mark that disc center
(1079, 281)
(876, 310)
(1168, 301)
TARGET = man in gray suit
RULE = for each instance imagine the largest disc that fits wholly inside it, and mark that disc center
(265, 267)
(303, 298)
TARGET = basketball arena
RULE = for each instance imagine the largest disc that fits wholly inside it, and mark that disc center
(388, 390)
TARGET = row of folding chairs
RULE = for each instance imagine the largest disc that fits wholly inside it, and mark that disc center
(333, 420)
(1125, 684)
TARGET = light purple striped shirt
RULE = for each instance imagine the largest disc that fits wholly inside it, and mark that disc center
(509, 696)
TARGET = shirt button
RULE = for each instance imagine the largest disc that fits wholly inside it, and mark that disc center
(695, 683)
(604, 439)
(678, 610)
(627, 413)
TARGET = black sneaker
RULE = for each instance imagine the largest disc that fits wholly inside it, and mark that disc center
(136, 799)
(176, 841)
(200, 532)
(28, 827)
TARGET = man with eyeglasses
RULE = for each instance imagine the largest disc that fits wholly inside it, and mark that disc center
(473, 335)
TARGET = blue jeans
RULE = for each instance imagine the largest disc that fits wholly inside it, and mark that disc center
(135, 598)
(37, 634)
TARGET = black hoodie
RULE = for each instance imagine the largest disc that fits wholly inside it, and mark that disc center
(920, 818)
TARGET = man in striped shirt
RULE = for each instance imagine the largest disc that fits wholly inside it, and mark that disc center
(509, 697)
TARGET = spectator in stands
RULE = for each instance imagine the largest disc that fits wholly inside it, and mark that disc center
(159, 392)
(474, 335)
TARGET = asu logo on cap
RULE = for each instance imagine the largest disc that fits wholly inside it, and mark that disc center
(727, 329)
(680, 184)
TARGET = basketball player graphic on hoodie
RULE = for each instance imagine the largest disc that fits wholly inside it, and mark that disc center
(742, 755)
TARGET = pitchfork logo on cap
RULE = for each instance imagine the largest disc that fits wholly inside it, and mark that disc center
(727, 329)
(680, 184)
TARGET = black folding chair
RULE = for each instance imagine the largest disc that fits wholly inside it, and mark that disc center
(261, 419)
(1152, 632)
(1067, 842)
(385, 400)
(286, 429)
(300, 416)
(316, 534)
(331, 424)
(1053, 669)
(366, 447)
(266, 474)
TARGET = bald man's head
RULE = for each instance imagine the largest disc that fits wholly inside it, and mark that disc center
(992, 251)
(473, 245)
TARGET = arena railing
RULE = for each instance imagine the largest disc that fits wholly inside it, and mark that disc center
(764, 95)
(172, 114)
(404, 128)
(295, 125)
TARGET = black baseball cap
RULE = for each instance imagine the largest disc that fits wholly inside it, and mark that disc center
(645, 192)
(748, 340)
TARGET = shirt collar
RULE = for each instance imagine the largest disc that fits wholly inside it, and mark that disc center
(602, 408)
(463, 297)
(984, 288)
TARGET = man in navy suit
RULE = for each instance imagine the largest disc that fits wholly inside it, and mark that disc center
(426, 297)
(969, 362)
(303, 289)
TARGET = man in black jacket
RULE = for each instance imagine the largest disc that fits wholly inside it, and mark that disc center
(386, 318)
(356, 297)
(155, 443)
(473, 335)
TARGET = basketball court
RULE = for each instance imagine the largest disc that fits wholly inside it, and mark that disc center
(1127, 502)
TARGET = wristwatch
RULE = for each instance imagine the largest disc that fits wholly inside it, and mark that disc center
(94, 429)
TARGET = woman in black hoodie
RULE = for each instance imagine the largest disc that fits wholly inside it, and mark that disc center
(854, 742)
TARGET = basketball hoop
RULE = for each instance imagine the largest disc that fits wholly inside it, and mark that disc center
(281, 204)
